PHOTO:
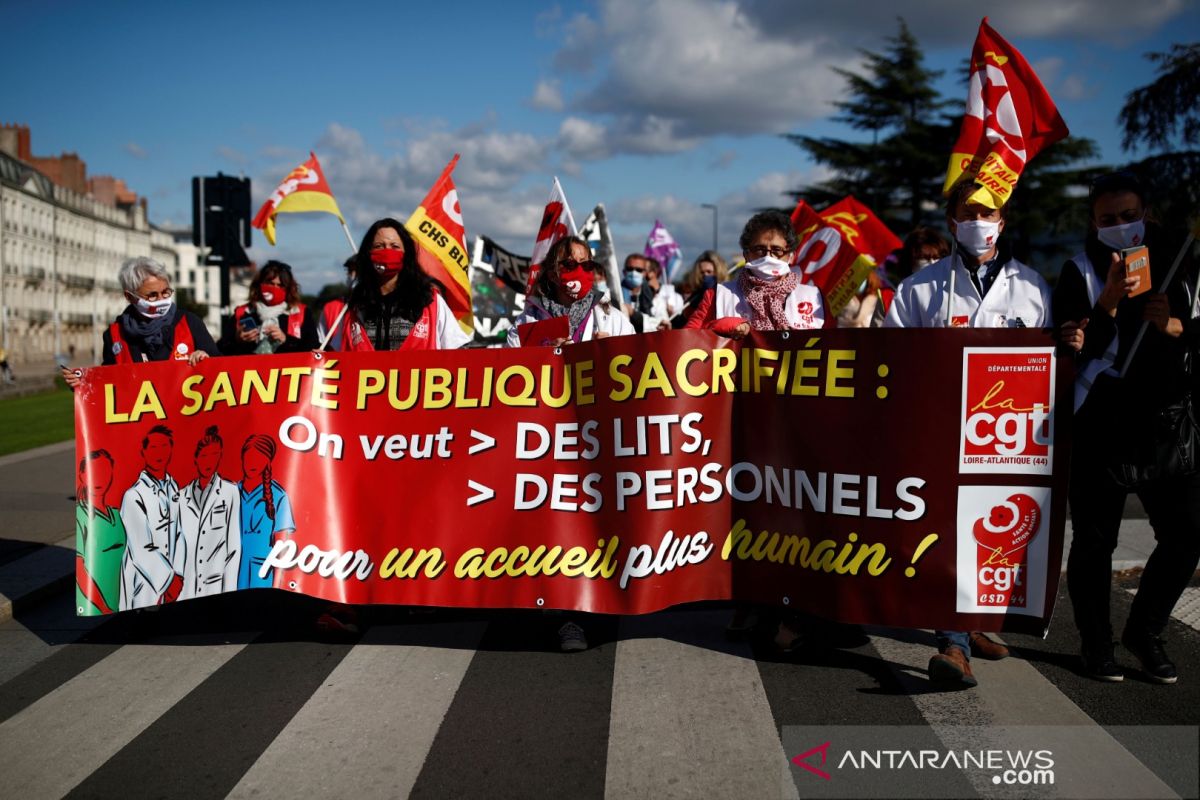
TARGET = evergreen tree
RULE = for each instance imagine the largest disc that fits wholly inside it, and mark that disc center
(1164, 116)
(901, 168)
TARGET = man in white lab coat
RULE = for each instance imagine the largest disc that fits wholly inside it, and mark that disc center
(210, 529)
(150, 514)
(976, 286)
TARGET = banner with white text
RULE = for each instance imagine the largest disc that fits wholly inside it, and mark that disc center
(903, 477)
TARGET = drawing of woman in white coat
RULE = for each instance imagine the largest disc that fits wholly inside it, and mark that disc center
(210, 533)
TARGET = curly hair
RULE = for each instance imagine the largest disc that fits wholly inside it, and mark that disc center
(770, 220)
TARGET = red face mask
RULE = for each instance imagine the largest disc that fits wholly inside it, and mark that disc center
(387, 261)
(272, 295)
(576, 282)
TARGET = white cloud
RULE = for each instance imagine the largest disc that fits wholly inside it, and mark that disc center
(136, 150)
(581, 138)
(233, 155)
(547, 96)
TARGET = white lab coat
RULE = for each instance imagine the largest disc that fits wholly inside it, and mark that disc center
(667, 303)
(210, 538)
(150, 514)
(1019, 297)
(603, 319)
(804, 308)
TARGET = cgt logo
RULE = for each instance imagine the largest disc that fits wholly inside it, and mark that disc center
(1003, 536)
(1007, 411)
(1002, 549)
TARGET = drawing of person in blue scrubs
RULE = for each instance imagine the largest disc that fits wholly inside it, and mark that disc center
(266, 512)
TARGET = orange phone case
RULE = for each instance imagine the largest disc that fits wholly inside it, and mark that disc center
(1137, 263)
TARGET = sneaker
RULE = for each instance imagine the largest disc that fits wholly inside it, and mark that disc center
(571, 638)
(951, 666)
(1149, 650)
(984, 646)
(1100, 664)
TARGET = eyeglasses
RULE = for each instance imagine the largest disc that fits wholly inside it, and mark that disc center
(154, 297)
(568, 264)
(761, 251)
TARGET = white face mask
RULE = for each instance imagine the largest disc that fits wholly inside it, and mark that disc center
(154, 308)
(1118, 237)
(768, 267)
(977, 236)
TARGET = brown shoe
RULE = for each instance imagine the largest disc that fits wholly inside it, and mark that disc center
(985, 647)
(951, 666)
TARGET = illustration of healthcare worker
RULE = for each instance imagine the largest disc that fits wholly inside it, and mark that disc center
(99, 538)
(150, 514)
(210, 529)
(266, 512)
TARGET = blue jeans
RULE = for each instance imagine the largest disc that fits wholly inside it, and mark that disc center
(959, 639)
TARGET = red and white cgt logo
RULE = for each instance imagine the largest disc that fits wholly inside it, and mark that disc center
(1007, 411)
(1002, 549)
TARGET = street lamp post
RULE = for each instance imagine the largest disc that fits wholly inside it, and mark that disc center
(714, 210)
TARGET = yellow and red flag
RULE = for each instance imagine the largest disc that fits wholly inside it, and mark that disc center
(304, 189)
(839, 247)
(437, 227)
(1009, 119)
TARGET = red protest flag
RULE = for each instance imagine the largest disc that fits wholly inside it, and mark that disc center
(827, 259)
(557, 223)
(1009, 119)
(304, 189)
(437, 227)
(862, 229)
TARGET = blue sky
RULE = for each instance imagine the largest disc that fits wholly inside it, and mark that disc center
(652, 107)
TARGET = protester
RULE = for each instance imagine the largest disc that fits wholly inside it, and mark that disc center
(638, 293)
(666, 302)
(923, 247)
(565, 287)
(767, 293)
(393, 305)
(1117, 425)
(866, 309)
(980, 286)
(274, 320)
(707, 271)
(152, 327)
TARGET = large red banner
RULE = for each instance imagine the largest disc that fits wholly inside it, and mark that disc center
(907, 477)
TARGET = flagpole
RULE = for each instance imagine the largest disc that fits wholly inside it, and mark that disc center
(349, 238)
(1187, 245)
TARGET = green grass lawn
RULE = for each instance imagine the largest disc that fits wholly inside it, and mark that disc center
(37, 419)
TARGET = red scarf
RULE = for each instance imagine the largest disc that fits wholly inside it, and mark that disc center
(768, 299)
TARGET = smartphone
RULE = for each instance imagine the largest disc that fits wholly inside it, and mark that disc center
(248, 323)
(1137, 262)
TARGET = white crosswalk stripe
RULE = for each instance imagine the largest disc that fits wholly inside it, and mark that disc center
(690, 714)
(50, 746)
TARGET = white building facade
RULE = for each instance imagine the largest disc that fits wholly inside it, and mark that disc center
(59, 256)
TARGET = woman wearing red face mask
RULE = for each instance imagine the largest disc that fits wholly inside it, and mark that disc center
(565, 287)
(394, 305)
(274, 321)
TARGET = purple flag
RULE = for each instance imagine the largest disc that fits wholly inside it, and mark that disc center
(662, 248)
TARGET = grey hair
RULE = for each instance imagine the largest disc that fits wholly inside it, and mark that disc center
(135, 271)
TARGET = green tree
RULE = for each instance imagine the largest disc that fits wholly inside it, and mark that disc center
(902, 165)
(1164, 118)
